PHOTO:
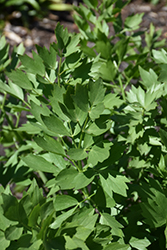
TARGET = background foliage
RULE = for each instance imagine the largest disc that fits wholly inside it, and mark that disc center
(88, 168)
(27, 10)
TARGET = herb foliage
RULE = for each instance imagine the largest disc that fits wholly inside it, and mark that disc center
(90, 161)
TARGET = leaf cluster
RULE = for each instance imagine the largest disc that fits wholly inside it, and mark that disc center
(86, 169)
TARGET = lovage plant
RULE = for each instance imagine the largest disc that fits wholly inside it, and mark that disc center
(87, 168)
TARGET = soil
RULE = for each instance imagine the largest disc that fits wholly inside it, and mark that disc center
(41, 31)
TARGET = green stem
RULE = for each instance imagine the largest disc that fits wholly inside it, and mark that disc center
(48, 79)
(27, 104)
(3, 103)
(43, 177)
(27, 227)
(17, 120)
(63, 143)
(83, 131)
(122, 88)
(88, 197)
(80, 141)
(74, 164)
(59, 71)
(71, 134)
(68, 157)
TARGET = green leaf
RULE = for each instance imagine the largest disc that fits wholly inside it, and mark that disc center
(96, 111)
(61, 218)
(4, 243)
(77, 154)
(102, 199)
(74, 113)
(163, 135)
(49, 57)
(13, 210)
(88, 141)
(4, 222)
(83, 179)
(165, 233)
(83, 71)
(70, 243)
(114, 184)
(145, 99)
(33, 65)
(23, 242)
(81, 216)
(117, 246)
(12, 89)
(105, 183)
(60, 6)
(140, 244)
(91, 3)
(33, 217)
(56, 99)
(34, 4)
(64, 201)
(154, 208)
(81, 97)
(107, 71)
(44, 227)
(29, 128)
(160, 56)
(163, 74)
(121, 48)
(36, 245)
(62, 36)
(119, 184)
(83, 233)
(98, 154)
(73, 60)
(100, 126)
(97, 91)
(38, 110)
(13, 233)
(58, 160)
(132, 22)
(46, 209)
(148, 78)
(104, 48)
(111, 100)
(80, 243)
(65, 178)
(50, 144)
(107, 219)
(19, 78)
(38, 163)
(37, 195)
(72, 45)
(70, 108)
(54, 124)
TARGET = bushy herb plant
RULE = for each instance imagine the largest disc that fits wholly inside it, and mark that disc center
(87, 168)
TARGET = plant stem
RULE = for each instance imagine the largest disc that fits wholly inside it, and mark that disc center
(82, 132)
(17, 120)
(27, 104)
(80, 141)
(59, 71)
(122, 88)
(3, 103)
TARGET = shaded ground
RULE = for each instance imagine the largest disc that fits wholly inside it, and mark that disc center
(42, 31)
